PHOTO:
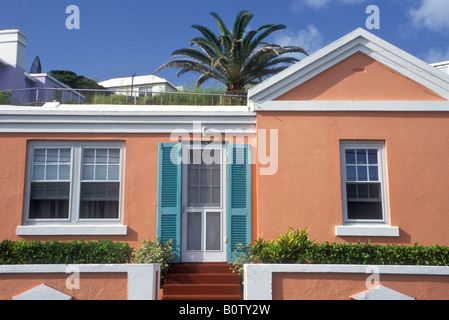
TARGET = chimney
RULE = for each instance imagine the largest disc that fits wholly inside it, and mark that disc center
(13, 47)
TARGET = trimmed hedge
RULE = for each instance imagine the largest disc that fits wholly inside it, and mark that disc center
(296, 247)
(72, 252)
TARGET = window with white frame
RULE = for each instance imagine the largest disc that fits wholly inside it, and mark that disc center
(74, 182)
(363, 181)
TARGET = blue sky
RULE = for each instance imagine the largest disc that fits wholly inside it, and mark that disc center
(120, 38)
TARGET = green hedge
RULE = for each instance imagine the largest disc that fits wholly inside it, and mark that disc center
(296, 247)
(72, 252)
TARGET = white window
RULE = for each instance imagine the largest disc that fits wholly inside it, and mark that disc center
(362, 176)
(74, 183)
(364, 194)
(363, 190)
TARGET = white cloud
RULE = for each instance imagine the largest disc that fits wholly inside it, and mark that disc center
(309, 38)
(432, 14)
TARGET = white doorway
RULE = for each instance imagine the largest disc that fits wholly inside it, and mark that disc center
(203, 220)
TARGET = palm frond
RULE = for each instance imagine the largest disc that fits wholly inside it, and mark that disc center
(235, 59)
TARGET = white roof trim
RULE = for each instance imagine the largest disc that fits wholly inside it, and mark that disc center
(60, 118)
(359, 40)
(366, 106)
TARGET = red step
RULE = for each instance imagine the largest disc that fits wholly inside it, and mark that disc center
(201, 281)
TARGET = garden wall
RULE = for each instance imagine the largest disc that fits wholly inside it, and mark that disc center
(80, 282)
(345, 282)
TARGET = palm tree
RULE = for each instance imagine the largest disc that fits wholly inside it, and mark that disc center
(235, 59)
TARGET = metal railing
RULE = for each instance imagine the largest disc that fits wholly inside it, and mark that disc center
(39, 96)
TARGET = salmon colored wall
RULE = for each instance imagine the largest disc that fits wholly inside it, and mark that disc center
(306, 190)
(140, 200)
(343, 286)
(92, 286)
(360, 78)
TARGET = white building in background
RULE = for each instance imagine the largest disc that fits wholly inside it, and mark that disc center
(139, 85)
(443, 66)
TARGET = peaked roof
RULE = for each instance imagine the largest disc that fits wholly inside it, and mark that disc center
(358, 40)
(138, 80)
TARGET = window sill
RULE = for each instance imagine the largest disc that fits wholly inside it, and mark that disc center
(367, 230)
(61, 230)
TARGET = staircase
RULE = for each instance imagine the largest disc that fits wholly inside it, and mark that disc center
(201, 281)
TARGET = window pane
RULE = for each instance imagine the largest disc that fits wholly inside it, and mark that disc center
(52, 155)
(114, 156)
(205, 176)
(192, 196)
(351, 191)
(52, 172)
(39, 155)
(88, 172)
(114, 173)
(49, 200)
(372, 156)
(204, 195)
(374, 190)
(101, 156)
(373, 173)
(89, 156)
(64, 172)
(193, 176)
(213, 231)
(216, 196)
(361, 156)
(99, 200)
(99, 209)
(362, 191)
(194, 231)
(216, 176)
(365, 210)
(64, 155)
(350, 156)
(100, 172)
(39, 173)
(350, 173)
(362, 174)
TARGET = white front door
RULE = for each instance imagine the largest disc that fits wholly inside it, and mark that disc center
(203, 218)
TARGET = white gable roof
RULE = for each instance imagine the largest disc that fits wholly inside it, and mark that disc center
(138, 81)
(358, 40)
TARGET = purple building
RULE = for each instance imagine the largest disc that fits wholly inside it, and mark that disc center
(28, 88)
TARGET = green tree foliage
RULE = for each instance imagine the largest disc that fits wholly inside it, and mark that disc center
(74, 81)
(235, 58)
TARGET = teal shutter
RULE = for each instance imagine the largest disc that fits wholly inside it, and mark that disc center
(238, 196)
(169, 195)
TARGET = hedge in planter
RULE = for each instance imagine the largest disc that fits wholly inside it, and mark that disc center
(296, 247)
(64, 252)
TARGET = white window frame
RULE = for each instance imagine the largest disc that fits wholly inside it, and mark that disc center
(73, 225)
(365, 227)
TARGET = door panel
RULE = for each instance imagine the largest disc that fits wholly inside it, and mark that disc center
(203, 216)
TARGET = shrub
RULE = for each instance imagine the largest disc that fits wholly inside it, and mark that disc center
(6, 97)
(296, 247)
(157, 251)
(73, 252)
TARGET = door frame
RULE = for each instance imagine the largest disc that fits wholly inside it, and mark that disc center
(202, 255)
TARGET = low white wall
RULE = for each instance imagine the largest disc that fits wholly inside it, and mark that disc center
(258, 278)
(143, 279)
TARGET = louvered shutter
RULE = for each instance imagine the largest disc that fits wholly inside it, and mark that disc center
(169, 195)
(238, 196)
